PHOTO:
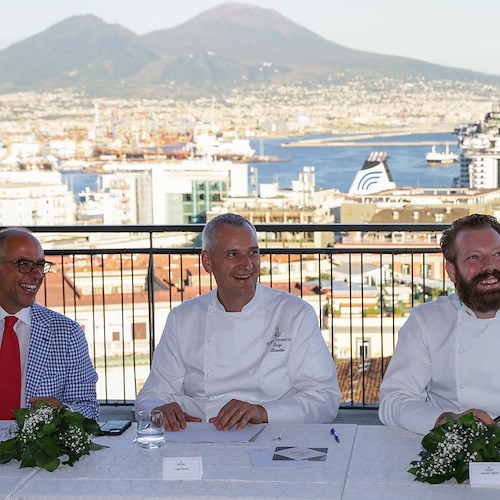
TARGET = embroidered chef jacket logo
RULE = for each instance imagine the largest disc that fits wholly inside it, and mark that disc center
(278, 343)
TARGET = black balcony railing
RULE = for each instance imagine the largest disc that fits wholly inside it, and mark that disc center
(120, 283)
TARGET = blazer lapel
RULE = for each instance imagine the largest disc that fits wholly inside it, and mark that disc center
(39, 350)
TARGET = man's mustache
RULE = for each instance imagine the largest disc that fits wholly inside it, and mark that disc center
(495, 273)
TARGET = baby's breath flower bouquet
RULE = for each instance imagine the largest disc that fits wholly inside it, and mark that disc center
(45, 433)
(449, 448)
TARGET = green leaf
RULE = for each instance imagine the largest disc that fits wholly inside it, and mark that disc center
(51, 465)
(8, 450)
(20, 415)
(91, 426)
(94, 446)
(47, 429)
(431, 440)
(50, 446)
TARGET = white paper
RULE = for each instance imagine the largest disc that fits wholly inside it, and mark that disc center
(298, 453)
(197, 432)
(262, 458)
(484, 474)
(186, 468)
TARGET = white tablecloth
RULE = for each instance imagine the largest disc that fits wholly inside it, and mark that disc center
(378, 468)
(127, 470)
(371, 461)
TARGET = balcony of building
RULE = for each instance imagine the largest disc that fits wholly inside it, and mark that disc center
(120, 282)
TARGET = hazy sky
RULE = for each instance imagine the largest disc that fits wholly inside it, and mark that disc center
(459, 33)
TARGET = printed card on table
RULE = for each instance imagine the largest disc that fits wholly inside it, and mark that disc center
(300, 453)
(186, 468)
(486, 474)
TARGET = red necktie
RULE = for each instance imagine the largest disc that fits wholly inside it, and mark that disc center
(10, 371)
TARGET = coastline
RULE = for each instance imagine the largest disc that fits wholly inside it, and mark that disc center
(345, 139)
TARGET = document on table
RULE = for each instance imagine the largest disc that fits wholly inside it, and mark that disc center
(262, 458)
(205, 432)
(300, 453)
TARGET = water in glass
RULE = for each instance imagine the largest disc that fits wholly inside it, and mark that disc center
(150, 433)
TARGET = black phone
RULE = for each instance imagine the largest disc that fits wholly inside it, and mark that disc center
(115, 427)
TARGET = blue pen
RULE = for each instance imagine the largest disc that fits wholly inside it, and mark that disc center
(335, 435)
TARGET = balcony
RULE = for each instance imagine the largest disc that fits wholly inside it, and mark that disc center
(120, 282)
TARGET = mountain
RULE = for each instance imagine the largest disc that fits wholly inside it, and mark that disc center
(227, 46)
(82, 51)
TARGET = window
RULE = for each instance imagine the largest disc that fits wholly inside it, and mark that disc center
(363, 348)
(139, 331)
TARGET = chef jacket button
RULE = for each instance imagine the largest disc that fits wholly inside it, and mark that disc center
(250, 372)
(209, 342)
(209, 373)
(460, 351)
(255, 342)
(462, 386)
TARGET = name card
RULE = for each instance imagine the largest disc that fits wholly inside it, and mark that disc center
(187, 468)
(484, 474)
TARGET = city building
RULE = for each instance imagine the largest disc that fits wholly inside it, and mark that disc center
(34, 197)
(163, 192)
(480, 152)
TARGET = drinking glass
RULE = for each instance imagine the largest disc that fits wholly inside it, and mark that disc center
(150, 432)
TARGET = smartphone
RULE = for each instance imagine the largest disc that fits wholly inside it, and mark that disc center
(115, 427)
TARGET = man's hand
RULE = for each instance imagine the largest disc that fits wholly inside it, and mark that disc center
(239, 413)
(54, 402)
(480, 415)
(174, 417)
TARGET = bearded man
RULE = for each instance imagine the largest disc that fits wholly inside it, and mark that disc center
(446, 361)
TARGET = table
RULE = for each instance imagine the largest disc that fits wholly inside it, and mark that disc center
(129, 471)
(378, 468)
(370, 462)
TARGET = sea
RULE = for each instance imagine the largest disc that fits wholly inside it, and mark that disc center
(336, 166)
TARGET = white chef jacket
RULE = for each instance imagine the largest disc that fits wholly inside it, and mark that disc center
(446, 359)
(271, 353)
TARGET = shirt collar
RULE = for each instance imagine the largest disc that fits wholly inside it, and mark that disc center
(24, 315)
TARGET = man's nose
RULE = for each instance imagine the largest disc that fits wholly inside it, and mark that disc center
(488, 263)
(246, 261)
(36, 271)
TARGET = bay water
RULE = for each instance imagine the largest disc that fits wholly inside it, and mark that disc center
(336, 166)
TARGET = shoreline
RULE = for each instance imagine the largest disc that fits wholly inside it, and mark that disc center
(360, 139)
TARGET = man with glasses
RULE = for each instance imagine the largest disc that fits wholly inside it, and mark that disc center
(43, 354)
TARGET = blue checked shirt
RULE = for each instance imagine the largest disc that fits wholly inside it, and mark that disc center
(59, 364)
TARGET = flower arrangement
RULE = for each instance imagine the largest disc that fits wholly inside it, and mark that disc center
(45, 433)
(449, 448)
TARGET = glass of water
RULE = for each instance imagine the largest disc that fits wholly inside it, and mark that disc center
(150, 432)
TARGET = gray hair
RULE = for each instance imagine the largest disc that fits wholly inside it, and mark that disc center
(209, 233)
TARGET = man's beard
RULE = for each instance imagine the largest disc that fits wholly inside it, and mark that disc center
(478, 300)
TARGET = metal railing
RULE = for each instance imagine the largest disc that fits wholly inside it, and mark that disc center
(362, 283)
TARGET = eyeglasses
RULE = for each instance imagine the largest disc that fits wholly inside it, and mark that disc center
(26, 266)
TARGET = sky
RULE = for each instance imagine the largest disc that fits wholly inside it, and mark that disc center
(457, 33)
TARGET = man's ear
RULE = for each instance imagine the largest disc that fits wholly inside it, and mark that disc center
(205, 260)
(450, 269)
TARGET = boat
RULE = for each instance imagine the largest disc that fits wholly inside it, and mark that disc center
(374, 176)
(445, 157)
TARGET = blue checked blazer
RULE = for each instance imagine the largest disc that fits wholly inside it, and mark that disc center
(59, 364)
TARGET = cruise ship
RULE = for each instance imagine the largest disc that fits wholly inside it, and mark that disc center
(445, 157)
